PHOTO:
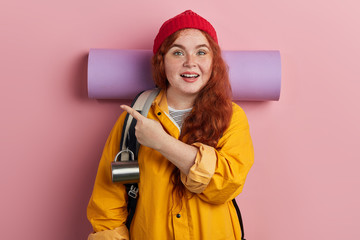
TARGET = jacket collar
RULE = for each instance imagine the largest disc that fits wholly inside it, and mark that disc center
(161, 101)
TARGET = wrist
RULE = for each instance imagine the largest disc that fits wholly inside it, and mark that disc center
(164, 142)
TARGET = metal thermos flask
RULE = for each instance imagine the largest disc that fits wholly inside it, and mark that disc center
(125, 171)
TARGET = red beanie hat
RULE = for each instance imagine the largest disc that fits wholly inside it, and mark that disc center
(187, 19)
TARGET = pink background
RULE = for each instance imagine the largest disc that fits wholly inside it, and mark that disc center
(304, 183)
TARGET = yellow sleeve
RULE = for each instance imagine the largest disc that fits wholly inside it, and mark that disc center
(107, 208)
(218, 175)
(120, 233)
(202, 171)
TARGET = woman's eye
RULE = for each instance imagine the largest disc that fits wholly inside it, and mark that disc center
(178, 53)
(201, 52)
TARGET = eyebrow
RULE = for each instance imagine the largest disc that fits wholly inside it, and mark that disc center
(182, 47)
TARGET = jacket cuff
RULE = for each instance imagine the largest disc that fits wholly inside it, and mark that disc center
(120, 233)
(203, 169)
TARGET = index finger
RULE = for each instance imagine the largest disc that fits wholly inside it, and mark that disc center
(135, 114)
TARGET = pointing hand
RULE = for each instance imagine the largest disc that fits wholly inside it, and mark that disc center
(148, 132)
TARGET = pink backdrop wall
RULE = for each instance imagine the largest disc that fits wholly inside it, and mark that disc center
(304, 183)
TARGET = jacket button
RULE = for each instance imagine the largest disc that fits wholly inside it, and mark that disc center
(178, 215)
(159, 113)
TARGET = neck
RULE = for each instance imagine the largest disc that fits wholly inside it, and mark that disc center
(179, 101)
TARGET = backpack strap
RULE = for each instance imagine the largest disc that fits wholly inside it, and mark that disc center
(240, 219)
(142, 104)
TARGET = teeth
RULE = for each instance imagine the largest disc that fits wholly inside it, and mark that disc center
(190, 75)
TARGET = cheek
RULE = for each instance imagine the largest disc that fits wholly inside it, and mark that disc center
(207, 66)
(168, 71)
(170, 67)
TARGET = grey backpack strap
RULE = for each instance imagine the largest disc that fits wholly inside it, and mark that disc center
(146, 107)
(150, 98)
(142, 104)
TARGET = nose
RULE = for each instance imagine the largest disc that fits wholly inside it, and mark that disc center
(189, 61)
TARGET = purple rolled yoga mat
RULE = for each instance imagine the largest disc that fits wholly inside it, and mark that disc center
(122, 74)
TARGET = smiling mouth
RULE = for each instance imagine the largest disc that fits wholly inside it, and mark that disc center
(189, 75)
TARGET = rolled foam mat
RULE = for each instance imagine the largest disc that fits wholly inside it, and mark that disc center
(122, 74)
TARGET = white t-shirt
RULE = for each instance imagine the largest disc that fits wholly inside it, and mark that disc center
(179, 115)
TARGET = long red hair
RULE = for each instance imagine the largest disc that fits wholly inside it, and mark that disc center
(212, 109)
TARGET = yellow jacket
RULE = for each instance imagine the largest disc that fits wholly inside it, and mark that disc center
(217, 177)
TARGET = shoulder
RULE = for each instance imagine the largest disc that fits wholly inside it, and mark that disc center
(238, 117)
(237, 110)
(117, 127)
(120, 121)
(238, 130)
(121, 118)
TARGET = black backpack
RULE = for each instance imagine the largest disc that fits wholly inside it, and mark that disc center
(142, 103)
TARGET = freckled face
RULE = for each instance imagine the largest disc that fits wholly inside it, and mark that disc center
(188, 63)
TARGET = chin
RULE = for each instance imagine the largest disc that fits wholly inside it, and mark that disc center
(191, 91)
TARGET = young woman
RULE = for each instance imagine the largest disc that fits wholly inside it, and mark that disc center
(195, 151)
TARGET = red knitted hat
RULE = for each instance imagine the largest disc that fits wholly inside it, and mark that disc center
(187, 19)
